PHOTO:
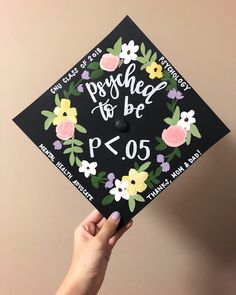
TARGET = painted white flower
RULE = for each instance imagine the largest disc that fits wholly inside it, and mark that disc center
(128, 51)
(120, 190)
(187, 118)
(88, 168)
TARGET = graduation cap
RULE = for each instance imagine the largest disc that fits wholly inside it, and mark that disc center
(122, 124)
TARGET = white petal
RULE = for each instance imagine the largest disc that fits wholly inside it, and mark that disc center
(125, 195)
(122, 55)
(124, 184)
(84, 163)
(133, 56)
(92, 171)
(117, 197)
(93, 165)
(184, 115)
(117, 182)
(131, 44)
(192, 120)
(124, 47)
(127, 59)
(135, 48)
(81, 169)
(181, 123)
(113, 191)
(86, 173)
(187, 126)
(191, 113)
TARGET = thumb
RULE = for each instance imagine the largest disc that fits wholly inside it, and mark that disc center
(109, 227)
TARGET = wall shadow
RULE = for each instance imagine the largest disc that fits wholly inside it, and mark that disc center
(202, 203)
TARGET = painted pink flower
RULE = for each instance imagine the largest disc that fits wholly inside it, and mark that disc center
(65, 129)
(174, 136)
(109, 62)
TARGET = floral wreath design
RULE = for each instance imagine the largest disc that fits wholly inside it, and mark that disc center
(180, 129)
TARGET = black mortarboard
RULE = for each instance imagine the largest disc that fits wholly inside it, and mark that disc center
(122, 124)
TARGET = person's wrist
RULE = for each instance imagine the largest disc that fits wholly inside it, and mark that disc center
(74, 284)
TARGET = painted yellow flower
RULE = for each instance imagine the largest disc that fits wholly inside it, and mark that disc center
(154, 70)
(136, 181)
(64, 112)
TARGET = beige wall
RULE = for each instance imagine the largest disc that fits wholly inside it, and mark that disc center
(184, 242)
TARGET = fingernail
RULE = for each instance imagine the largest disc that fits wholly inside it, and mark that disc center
(115, 215)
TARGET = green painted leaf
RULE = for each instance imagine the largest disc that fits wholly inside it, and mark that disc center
(94, 181)
(169, 106)
(166, 75)
(152, 180)
(172, 85)
(139, 198)
(75, 92)
(148, 54)
(117, 46)
(94, 65)
(65, 94)
(72, 159)
(141, 59)
(176, 115)
(96, 74)
(48, 114)
(121, 62)
(111, 50)
(168, 121)
(169, 87)
(156, 181)
(77, 149)
(161, 147)
(48, 122)
(173, 105)
(194, 130)
(68, 142)
(150, 175)
(144, 166)
(177, 152)
(188, 139)
(101, 174)
(57, 100)
(154, 57)
(159, 139)
(173, 82)
(72, 85)
(107, 200)
(131, 204)
(80, 128)
(78, 162)
(158, 171)
(68, 150)
(149, 184)
(78, 142)
(144, 66)
(136, 166)
(143, 49)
